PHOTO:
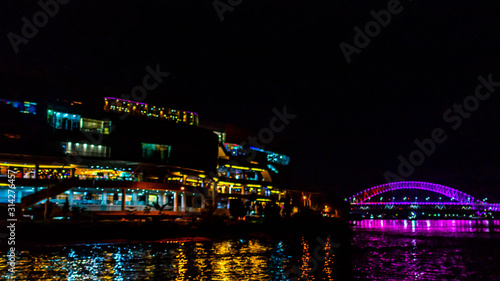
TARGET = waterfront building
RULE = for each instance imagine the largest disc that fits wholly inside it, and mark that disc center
(126, 155)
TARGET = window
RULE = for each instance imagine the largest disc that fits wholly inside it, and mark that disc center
(93, 125)
(277, 158)
(221, 136)
(84, 149)
(157, 152)
(234, 149)
(62, 120)
(23, 106)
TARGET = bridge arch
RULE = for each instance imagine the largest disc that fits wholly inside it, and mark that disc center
(459, 196)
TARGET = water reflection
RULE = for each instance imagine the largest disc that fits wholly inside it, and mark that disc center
(381, 250)
(469, 228)
(328, 264)
(219, 260)
(426, 250)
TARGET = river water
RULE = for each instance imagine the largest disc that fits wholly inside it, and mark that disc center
(381, 250)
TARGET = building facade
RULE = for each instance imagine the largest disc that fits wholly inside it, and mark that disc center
(127, 155)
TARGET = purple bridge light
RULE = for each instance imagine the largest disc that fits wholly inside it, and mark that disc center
(460, 197)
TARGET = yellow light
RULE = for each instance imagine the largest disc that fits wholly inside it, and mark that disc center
(237, 167)
(40, 166)
(241, 167)
(254, 185)
(225, 182)
(304, 197)
(182, 188)
(258, 169)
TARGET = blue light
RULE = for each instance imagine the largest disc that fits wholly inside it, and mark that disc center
(258, 149)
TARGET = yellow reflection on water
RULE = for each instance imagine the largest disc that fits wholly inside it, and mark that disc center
(220, 260)
(244, 261)
(200, 262)
(181, 262)
(306, 256)
(328, 265)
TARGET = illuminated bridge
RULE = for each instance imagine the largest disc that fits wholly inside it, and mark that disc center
(417, 199)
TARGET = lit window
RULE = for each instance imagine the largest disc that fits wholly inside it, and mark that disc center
(86, 150)
(62, 120)
(93, 125)
(156, 152)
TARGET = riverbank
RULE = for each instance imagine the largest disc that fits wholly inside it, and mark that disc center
(65, 232)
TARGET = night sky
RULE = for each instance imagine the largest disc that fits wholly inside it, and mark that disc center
(353, 119)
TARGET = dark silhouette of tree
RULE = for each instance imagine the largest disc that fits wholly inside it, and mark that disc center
(159, 207)
(252, 197)
(48, 209)
(271, 211)
(259, 208)
(65, 209)
(237, 208)
(288, 207)
(79, 213)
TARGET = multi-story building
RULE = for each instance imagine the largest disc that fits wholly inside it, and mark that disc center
(127, 156)
(247, 172)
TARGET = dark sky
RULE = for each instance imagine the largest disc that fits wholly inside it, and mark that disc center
(353, 120)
